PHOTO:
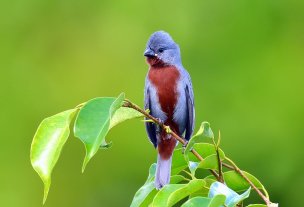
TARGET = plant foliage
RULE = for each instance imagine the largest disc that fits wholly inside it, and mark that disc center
(187, 188)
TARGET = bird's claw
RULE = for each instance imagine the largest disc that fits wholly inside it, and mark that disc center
(167, 129)
(184, 147)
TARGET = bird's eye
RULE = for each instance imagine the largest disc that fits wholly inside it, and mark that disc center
(161, 50)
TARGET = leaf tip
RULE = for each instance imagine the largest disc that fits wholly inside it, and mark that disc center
(47, 184)
(85, 162)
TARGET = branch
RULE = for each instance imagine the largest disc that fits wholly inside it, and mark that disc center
(129, 104)
(239, 171)
(219, 161)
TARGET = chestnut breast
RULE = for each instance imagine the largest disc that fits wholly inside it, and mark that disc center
(165, 81)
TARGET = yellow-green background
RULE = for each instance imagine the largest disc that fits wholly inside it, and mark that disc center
(246, 63)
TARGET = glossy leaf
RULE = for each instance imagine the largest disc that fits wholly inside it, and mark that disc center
(217, 201)
(197, 202)
(122, 114)
(191, 187)
(172, 193)
(141, 196)
(176, 179)
(152, 171)
(47, 144)
(232, 198)
(144, 196)
(238, 183)
(210, 162)
(204, 192)
(192, 167)
(93, 123)
(178, 162)
(161, 198)
(205, 150)
(204, 133)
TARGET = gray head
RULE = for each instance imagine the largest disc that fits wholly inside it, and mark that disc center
(161, 47)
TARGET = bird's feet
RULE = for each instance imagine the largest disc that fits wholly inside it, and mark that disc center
(184, 147)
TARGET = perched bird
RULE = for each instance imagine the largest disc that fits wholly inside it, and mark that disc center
(169, 97)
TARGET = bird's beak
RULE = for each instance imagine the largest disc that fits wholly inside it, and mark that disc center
(150, 53)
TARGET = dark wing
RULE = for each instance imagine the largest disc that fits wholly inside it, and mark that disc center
(190, 111)
(150, 127)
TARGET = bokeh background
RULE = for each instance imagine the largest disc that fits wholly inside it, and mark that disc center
(245, 59)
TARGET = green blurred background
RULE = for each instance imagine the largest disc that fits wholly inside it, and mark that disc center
(245, 59)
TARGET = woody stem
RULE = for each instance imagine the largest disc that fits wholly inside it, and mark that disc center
(232, 165)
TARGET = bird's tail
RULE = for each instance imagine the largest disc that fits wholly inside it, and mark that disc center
(163, 171)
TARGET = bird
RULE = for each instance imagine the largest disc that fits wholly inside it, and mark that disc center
(168, 96)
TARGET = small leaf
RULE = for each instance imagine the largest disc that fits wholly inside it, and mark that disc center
(162, 196)
(47, 144)
(122, 114)
(93, 123)
(205, 150)
(203, 134)
(105, 145)
(217, 201)
(232, 198)
(144, 196)
(172, 193)
(176, 179)
(152, 171)
(192, 167)
(237, 183)
(210, 162)
(191, 187)
(178, 162)
(197, 201)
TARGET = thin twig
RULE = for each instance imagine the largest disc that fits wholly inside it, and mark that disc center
(240, 172)
(219, 161)
(228, 166)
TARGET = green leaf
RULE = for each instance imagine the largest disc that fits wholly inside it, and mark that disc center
(93, 123)
(172, 193)
(238, 199)
(205, 150)
(144, 196)
(232, 198)
(122, 114)
(178, 162)
(256, 205)
(192, 167)
(47, 144)
(210, 162)
(202, 134)
(191, 187)
(197, 202)
(237, 183)
(217, 201)
(176, 179)
(161, 198)
(151, 175)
